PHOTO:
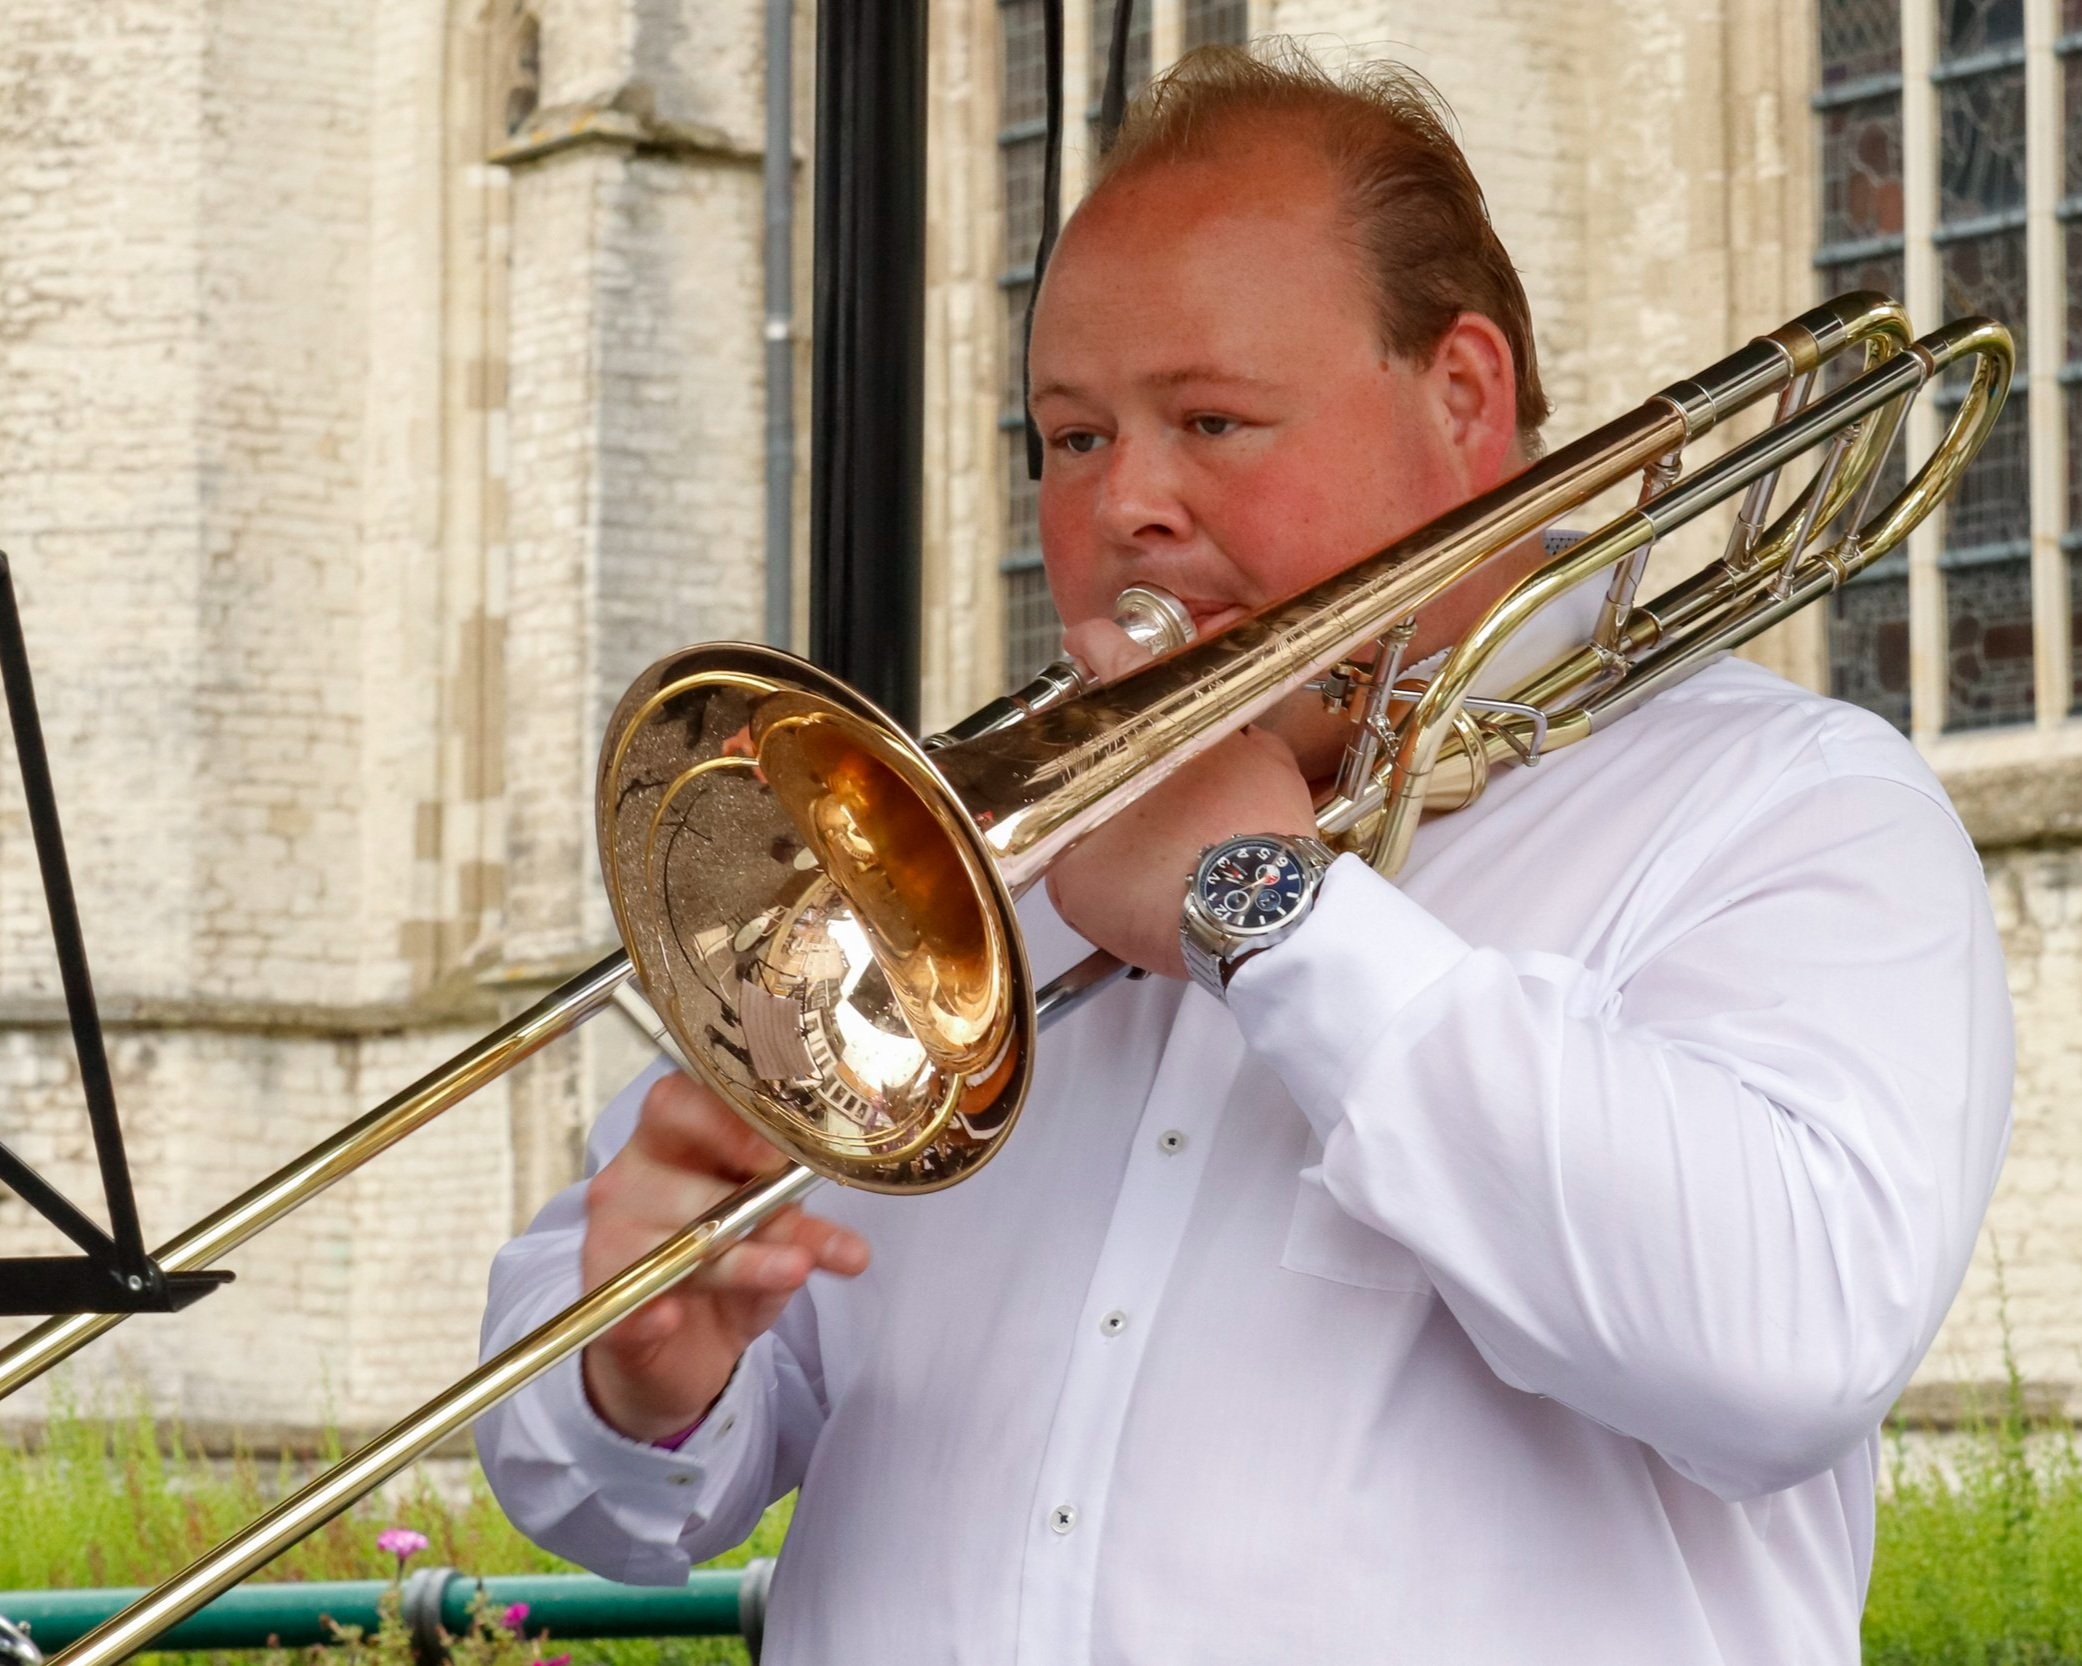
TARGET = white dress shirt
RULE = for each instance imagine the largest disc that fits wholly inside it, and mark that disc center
(1516, 1269)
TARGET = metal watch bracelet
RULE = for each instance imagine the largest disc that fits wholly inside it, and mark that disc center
(1211, 950)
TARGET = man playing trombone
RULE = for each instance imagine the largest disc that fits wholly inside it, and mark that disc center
(1509, 1262)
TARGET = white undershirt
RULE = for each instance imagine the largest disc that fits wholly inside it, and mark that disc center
(1516, 1270)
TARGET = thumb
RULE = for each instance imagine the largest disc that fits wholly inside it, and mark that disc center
(1103, 648)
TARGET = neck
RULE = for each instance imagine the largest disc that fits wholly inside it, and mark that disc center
(1319, 737)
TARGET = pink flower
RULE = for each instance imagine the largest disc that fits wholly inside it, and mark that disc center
(555, 1660)
(401, 1542)
(515, 1616)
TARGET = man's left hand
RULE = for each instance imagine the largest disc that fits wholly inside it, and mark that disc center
(1122, 886)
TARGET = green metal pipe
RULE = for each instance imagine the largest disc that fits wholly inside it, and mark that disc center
(294, 1615)
(579, 1605)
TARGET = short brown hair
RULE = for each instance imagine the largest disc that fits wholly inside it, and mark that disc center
(1413, 203)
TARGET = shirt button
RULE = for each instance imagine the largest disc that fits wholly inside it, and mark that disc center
(1062, 1518)
(1171, 1142)
(1114, 1323)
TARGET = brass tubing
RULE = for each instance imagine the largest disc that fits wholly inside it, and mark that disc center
(307, 1510)
(1679, 656)
(1708, 592)
(1971, 424)
(215, 1236)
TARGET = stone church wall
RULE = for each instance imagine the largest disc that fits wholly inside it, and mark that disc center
(380, 389)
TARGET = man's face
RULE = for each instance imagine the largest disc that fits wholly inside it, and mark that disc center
(1219, 413)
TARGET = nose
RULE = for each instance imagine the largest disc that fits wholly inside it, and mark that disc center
(1141, 504)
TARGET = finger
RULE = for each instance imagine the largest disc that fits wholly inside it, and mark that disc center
(649, 1325)
(684, 1125)
(751, 1268)
(1104, 648)
(779, 1227)
(835, 1248)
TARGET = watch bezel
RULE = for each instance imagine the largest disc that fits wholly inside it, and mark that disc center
(1213, 852)
(1212, 948)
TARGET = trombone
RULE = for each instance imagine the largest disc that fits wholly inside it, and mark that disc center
(821, 908)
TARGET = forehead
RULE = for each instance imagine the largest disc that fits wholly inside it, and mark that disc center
(1237, 252)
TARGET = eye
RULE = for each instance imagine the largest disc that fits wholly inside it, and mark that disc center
(1079, 442)
(1214, 427)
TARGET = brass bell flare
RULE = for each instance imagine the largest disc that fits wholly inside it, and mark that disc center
(808, 902)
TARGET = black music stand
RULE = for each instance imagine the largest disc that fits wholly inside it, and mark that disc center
(114, 1274)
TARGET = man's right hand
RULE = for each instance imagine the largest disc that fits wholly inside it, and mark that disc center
(662, 1367)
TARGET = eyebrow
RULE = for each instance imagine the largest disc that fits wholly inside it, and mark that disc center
(1165, 379)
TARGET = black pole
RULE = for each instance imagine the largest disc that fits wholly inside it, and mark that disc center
(867, 395)
(129, 1262)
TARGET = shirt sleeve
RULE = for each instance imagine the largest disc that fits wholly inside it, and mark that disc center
(631, 1511)
(1717, 1199)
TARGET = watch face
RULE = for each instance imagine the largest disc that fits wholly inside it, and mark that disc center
(1250, 884)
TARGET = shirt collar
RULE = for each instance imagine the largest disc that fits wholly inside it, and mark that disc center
(1564, 623)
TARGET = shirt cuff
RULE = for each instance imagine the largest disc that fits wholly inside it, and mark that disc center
(1314, 1006)
(669, 1488)
(673, 1442)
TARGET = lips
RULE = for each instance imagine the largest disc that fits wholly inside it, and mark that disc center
(1210, 617)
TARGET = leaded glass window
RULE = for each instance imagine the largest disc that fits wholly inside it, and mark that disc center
(1031, 630)
(1015, 286)
(1862, 231)
(1969, 119)
(2075, 626)
(1217, 22)
(1861, 40)
(1968, 28)
(1985, 547)
(1988, 644)
(1025, 162)
(1861, 174)
(2069, 48)
(1023, 95)
(1869, 642)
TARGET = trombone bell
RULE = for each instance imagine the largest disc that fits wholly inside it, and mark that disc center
(803, 895)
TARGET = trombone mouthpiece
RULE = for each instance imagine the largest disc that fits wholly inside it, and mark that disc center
(1156, 620)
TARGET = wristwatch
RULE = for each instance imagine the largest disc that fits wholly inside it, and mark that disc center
(1246, 895)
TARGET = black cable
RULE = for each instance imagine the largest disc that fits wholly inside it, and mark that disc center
(1051, 191)
(1113, 102)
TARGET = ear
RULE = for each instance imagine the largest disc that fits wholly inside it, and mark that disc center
(1474, 385)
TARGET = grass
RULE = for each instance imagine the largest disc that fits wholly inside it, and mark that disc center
(1978, 1555)
(106, 1502)
(1978, 1559)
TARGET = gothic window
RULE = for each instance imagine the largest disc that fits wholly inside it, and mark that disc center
(1968, 119)
(1862, 247)
(1985, 545)
(1032, 632)
(2069, 48)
